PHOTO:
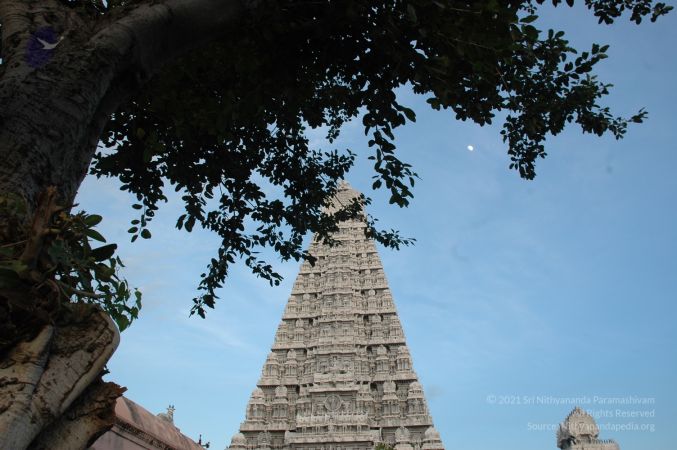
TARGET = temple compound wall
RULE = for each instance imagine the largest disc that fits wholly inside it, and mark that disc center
(135, 428)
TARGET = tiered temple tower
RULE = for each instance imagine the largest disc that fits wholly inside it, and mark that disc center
(340, 375)
(579, 431)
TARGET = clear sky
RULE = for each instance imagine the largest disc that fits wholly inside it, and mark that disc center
(519, 300)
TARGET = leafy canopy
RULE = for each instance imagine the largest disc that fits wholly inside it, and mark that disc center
(224, 121)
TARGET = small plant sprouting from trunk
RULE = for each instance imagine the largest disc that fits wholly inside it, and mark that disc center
(58, 258)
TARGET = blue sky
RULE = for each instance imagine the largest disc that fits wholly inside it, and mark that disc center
(518, 300)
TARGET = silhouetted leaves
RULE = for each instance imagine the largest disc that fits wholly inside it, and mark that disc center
(226, 125)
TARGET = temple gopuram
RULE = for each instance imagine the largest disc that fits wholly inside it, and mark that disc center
(579, 431)
(339, 375)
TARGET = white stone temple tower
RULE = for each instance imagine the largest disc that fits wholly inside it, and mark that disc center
(579, 431)
(340, 375)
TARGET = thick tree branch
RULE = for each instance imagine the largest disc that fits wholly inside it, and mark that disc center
(153, 34)
(42, 378)
(91, 415)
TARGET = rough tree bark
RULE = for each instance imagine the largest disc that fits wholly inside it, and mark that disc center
(43, 377)
(51, 118)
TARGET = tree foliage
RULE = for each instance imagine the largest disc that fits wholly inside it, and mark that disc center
(225, 123)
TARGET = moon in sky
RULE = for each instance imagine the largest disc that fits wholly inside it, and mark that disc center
(471, 148)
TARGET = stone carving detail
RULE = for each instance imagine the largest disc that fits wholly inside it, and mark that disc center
(340, 374)
(333, 403)
(239, 442)
(403, 439)
(431, 440)
(263, 439)
(169, 415)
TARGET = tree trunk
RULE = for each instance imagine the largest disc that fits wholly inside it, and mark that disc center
(52, 113)
(50, 120)
(42, 378)
(84, 422)
(48, 133)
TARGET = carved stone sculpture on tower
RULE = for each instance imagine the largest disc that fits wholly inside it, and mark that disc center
(340, 374)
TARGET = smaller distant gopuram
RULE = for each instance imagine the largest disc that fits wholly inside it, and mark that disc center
(579, 431)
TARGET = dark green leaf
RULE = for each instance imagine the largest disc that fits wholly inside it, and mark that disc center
(92, 220)
(105, 252)
(93, 234)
